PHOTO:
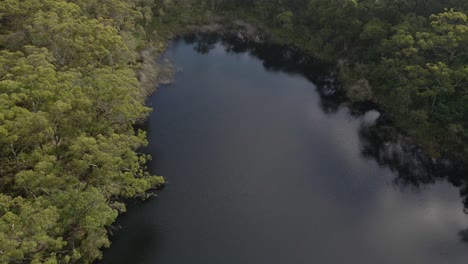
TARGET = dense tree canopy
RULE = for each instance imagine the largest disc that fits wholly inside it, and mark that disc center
(409, 56)
(69, 98)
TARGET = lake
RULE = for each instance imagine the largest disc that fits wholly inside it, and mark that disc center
(265, 164)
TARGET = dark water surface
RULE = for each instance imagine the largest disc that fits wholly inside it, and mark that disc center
(265, 167)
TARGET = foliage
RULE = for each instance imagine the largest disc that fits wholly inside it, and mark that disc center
(69, 98)
(415, 53)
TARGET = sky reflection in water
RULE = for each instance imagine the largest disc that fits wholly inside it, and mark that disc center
(264, 166)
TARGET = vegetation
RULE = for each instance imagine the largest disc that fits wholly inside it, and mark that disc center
(408, 56)
(69, 97)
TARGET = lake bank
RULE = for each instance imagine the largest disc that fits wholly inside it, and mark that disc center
(261, 158)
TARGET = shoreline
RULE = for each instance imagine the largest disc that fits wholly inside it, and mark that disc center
(154, 74)
(377, 160)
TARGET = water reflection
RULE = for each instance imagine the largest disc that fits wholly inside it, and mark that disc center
(286, 58)
(464, 235)
(412, 166)
(379, 140)
(267, 167)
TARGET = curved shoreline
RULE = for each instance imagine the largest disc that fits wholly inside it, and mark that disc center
(248, 32)
(155, 217)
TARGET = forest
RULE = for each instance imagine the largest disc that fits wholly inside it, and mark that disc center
(409, 57)
(70, 97)
(69, 100)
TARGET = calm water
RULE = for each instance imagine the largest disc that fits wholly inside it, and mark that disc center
(265, 167)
